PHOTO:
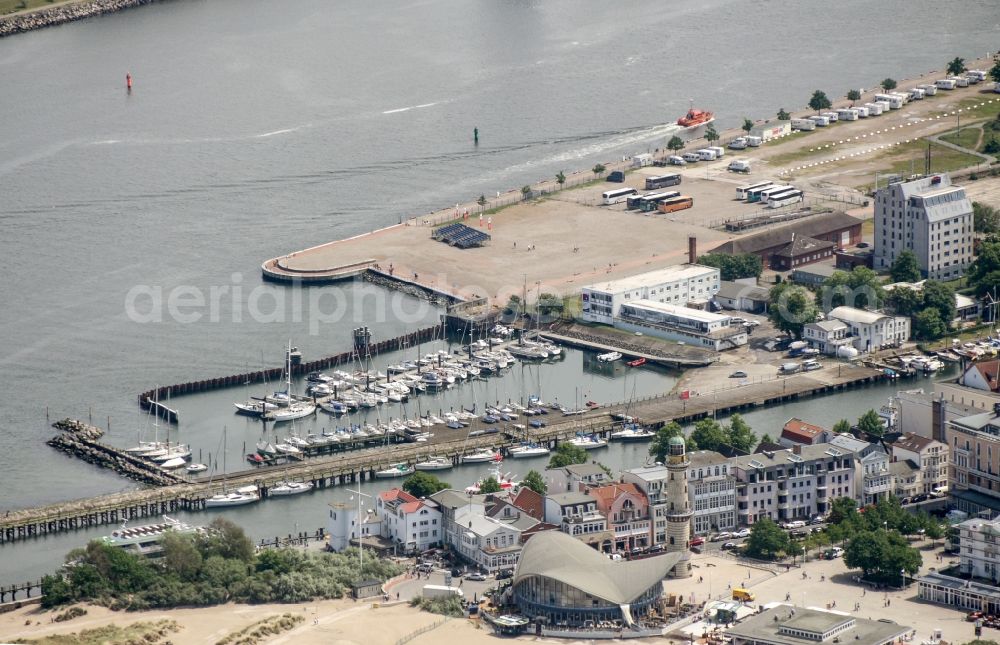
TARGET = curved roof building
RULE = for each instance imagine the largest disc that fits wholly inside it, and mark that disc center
(567, 582)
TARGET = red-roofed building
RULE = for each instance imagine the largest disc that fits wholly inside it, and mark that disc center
(799, 433)
(530, 502)
(412, 524)
(627, 511)
(983, 375)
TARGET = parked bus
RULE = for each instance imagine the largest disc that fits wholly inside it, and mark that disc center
(765, 194)
(650, 202)
(662, 181)
(766, 198)
(676, 204)
(632, 201)
(741, 191)
(617, 196)
(754, 194)
(790, 197)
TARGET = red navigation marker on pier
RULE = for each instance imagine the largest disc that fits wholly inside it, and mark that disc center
(128, 81)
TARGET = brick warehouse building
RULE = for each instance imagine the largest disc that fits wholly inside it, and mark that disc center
(778, 249)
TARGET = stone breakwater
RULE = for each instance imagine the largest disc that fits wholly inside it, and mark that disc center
(59, 14)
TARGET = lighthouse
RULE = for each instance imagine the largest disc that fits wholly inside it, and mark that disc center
(679, 510)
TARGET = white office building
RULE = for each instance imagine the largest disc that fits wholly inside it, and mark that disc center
(682, 324)
(980, 543)
(928, 216)
(676, 285)
(870, 330)
(712, 489)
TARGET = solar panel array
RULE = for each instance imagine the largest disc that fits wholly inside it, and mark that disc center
(460, 235)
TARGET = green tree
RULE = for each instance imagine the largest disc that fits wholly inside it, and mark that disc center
(181, 556)
(819, 101)
(766, 438)
(767, 540)
(995, 70)
(734, 267)
(784, 116)
(843, 509)
(992, 147)
(675, 143)
(740, 435)
(985, 218)
(708, 434)
(881, 555)
(956, 66)
(905, 268)
(888, 84)
(227, 540)
(659, 447)
(55, 591)
(792, 306)
(489, 485)
(927, 325)
(984, 272)
(535, 482)
(853, 95)
(598, 170)
(859, 287)
(482, 202)
(560, 178)
(871, 423)
(904, 301)
(526, 192)
(711, 134)
(940, 296)
(567, 454)
(422, 484)
(842, 426)
(747, 125)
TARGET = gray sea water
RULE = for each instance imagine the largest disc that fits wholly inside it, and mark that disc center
(257, 128)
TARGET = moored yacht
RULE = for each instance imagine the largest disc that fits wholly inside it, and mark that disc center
(290, 488)
(528, 450)
(481, 456)
(396, 470)
(588, 441)
(434, 463)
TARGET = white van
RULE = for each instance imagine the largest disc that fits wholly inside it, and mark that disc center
(806, 125)
(753, 142)
(739, 165)
(707, 155)
(691, 157)
(675, 160)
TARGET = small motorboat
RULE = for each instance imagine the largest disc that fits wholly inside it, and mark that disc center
(609, 357)
(637, 362)
(196, 468)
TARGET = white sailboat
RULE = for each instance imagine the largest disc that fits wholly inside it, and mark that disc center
(481, 456)
(295, 409)
(239, 497)
(527, 450)
(396, 470)
(290, 488)
(434, 463)
(588, 442)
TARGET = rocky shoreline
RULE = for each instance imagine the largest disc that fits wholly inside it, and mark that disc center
(60, 14)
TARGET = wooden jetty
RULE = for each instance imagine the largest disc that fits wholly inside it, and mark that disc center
(361, 465)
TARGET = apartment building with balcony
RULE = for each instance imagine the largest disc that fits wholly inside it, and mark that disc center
(797, 483)
(930, 456)
(974, 472)
(627, 512)
(712, 490)
(979, 540)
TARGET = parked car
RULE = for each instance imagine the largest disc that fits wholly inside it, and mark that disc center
(504, 574)
(795, 524)
(742, 533)
(475, 576)
(728, 546)
(725, 535)
(697, 541)
(738, 374)
(817, 519)
(616, 176)
(675, 160)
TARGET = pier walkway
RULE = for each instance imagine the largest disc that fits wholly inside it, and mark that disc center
(361, 465)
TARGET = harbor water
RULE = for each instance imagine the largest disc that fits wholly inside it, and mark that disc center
(254, 129)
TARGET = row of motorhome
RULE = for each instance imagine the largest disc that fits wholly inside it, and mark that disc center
(882, 103)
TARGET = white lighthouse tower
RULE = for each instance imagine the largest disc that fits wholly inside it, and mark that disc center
(679, 512)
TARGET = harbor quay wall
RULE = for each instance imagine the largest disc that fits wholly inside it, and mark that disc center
(157, 396)
(361, 465)
(51, 16)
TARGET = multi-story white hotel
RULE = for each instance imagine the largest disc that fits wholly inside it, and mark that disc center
(928, 216)
(676, 285)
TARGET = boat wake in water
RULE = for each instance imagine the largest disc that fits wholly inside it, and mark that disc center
(412, 107)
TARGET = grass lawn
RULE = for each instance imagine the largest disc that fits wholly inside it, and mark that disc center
(910, 156)
(968, 137)
(141, 632)
(10, 6)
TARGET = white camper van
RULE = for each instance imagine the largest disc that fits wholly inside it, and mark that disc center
(820, 120)
(945, 83)
(847, 114)
(930, 89)
(862, 111)
(874, 109)
(803, 124)
(707, 155)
